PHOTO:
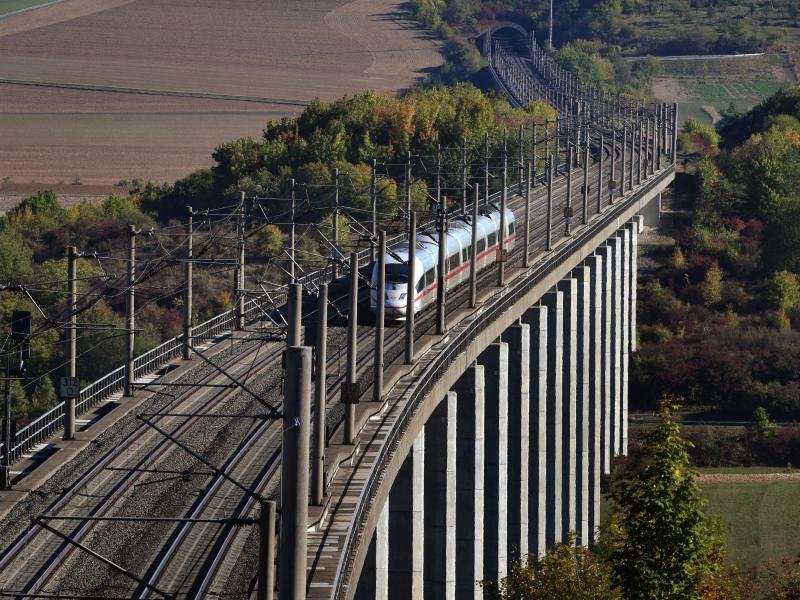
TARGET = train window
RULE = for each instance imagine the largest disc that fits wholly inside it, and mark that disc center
(481, 245)
(511, 228)
(420, 285)
(397, 272)
(429, 277)
(453, 262)
(465, 255)
(492, 239)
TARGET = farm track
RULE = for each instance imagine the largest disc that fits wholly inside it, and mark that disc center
(152, 92)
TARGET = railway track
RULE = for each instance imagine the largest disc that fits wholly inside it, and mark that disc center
(32, 560)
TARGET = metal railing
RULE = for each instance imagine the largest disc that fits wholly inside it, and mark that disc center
(454, 348)
(46, 425)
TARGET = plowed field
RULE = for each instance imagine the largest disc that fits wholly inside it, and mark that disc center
(104, 90)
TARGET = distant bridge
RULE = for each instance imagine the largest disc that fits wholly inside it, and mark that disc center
(439, 454)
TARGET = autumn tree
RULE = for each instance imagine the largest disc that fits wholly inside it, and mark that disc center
(565, 571)
(15, 257)
(711, 288)
(269, 241)
(661, 542)
(43, 397)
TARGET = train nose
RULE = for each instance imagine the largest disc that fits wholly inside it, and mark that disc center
(395, 299)
(395, 303)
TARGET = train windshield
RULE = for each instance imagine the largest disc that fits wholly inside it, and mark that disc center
(397, 273)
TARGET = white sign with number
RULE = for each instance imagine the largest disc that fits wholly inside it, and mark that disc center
(70, 387)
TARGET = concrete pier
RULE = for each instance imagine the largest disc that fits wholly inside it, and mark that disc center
(518, 339)
(554, 302)
(470, 423)
(536, 319)
(582, 275)
(625, 235)
(439, 500)
(595, 266)
(450, 544)
(606, 254)
(633, 229)
(418, 518)
(616, 343)
(569, 474)
(382, 554)
(406, 540)
(495, 364)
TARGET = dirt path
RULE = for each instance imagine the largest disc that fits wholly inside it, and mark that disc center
(746, 477)
(712, 112)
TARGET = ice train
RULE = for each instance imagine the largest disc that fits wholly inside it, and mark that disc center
(458, 241)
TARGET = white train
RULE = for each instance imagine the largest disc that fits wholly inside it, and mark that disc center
(458, 240)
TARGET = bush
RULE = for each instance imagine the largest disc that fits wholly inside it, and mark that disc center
(565, 571)
(783, 291)
(712, 286)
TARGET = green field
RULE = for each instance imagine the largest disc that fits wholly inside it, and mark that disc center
(760, 519)
(772, 18)
(742, 95)
(9, 6)
(721, 83)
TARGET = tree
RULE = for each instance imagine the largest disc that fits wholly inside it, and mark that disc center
(343, 230)
(43, 397)
(19, 401)
(269, 241)
(783, 290)
(781, 239)
(782, 580)
(15, 257)
(661, 543)
(763, 425)
(677, 260)
(704, 136)
(712, 285)
(566, 571)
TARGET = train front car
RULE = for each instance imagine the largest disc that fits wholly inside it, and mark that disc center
(396, 300)
(457, 260)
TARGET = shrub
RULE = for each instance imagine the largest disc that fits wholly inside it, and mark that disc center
(763, 425)
(783, 291)
(565, 571)
(712, 286)
(269, 241)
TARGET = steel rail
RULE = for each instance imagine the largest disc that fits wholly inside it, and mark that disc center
(124, 483)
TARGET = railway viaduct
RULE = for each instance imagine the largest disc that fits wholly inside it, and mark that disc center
(487, 441)
(491, 444)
